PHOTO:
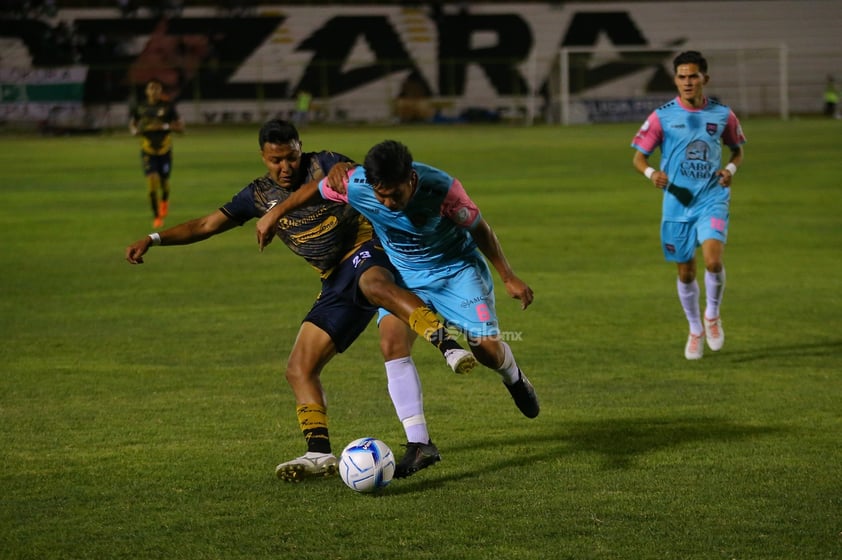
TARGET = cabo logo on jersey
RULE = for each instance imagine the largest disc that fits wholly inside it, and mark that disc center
(696, 164)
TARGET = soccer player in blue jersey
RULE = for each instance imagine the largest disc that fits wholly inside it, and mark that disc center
(436, 237)
(154, 120)
(690, 131)
(357, 279)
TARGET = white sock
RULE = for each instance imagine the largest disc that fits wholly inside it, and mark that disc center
(688, 295)
(508, 370)
(405, 390)
(714, 286)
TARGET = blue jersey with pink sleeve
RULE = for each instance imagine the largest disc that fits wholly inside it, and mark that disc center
(691, 142)
(431, 232)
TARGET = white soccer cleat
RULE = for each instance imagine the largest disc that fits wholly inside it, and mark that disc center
(695, 347)
(714, 333)
(460, 360)
(309, 465)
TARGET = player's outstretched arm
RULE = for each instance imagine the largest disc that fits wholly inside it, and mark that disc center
(490, 246)
(182, 234)
(267, 223)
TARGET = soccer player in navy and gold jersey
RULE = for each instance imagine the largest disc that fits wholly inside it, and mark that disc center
(438, 240)
(154, 120)
(357, 278)
(690, 131)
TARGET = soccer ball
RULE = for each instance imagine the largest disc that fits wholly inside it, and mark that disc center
(366, 465)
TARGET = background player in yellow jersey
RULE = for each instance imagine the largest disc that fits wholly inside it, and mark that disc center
(154, 119)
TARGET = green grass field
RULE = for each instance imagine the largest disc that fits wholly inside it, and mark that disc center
(143, 408)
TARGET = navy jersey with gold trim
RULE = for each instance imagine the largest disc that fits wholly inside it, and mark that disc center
(149, 119)
(323, 233)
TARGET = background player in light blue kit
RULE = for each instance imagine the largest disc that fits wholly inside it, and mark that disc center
(690, 131)
(435, 237)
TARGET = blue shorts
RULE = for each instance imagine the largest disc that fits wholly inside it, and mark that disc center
(462, 293)
(340, 309)
(156, 164)
(679, 240)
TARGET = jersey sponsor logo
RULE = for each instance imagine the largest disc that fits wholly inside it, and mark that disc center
(698, 150)
(306, 219)
(318, 231)
(695, 169)
(462, 216)
(474, 301)
(696, 164)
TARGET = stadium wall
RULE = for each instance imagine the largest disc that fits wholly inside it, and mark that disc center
(492, 61)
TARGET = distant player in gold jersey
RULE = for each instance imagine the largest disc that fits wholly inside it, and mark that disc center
(154, 120)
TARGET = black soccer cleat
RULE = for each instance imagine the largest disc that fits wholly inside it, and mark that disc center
(524, 395)
(418, 456)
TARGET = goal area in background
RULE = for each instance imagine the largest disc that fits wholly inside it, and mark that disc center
(622, 84)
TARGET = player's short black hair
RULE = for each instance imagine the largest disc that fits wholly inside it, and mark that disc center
(388, 163)
(277, 131)
(691, 57)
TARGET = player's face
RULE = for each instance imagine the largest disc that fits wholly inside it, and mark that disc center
(153, 92)
(283, 162)
(396, 197)
(690, 82)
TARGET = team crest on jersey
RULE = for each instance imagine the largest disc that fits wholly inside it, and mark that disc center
(711, 128)
(462, 216)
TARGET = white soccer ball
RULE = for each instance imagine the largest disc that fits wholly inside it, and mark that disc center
(366, 465)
